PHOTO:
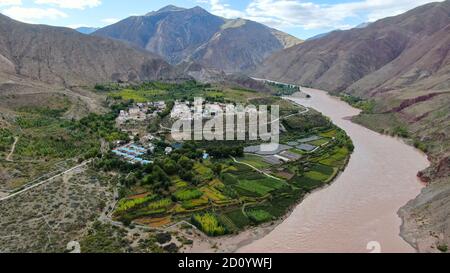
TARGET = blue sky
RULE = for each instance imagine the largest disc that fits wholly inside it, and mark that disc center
(301, 18)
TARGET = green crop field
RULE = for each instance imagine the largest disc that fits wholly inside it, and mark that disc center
(238, 218)
(195, 203)
(127, 204)
(139, 95)
(259, 216)
(329, 134)
(337, 158)
(204, 172)
(164, 203)
(254, 186)
(323, 169)
(317, 176)
(256, 161)
(319, 142)
(306, 183)
(213, 194)
(185, 195)
(209, 224)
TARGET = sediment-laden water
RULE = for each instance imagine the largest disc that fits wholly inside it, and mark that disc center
(361, 206)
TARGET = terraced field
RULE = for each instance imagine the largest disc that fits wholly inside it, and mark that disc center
(220, 195)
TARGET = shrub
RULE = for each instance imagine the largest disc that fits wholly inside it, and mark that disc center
(171, 248)
(401, 132)
(163, 238)
(421, 146)
(442, 248)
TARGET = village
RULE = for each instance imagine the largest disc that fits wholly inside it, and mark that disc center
(231, 184)
(142, 146)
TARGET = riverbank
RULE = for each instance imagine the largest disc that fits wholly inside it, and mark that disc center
(360, 207)
(232, 243)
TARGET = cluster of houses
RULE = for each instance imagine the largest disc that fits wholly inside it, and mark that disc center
(141, 111)
(186, 110)
(132, 153)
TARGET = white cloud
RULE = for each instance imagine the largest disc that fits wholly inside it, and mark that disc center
(224, 10)
(71, 4)
(110, 20)
(309, 15)
(29, 15)
(4, 3)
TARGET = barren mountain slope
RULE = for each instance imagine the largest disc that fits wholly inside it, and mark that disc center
(401, 63)
(342, 58)
(194, 34)
(66, 57)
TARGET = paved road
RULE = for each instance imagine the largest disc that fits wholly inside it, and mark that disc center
(44, 182)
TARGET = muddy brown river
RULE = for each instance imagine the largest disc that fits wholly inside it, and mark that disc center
(360, 208)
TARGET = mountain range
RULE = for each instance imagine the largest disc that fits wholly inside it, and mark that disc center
(181, 35)
(402, 65)
(65, 57)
